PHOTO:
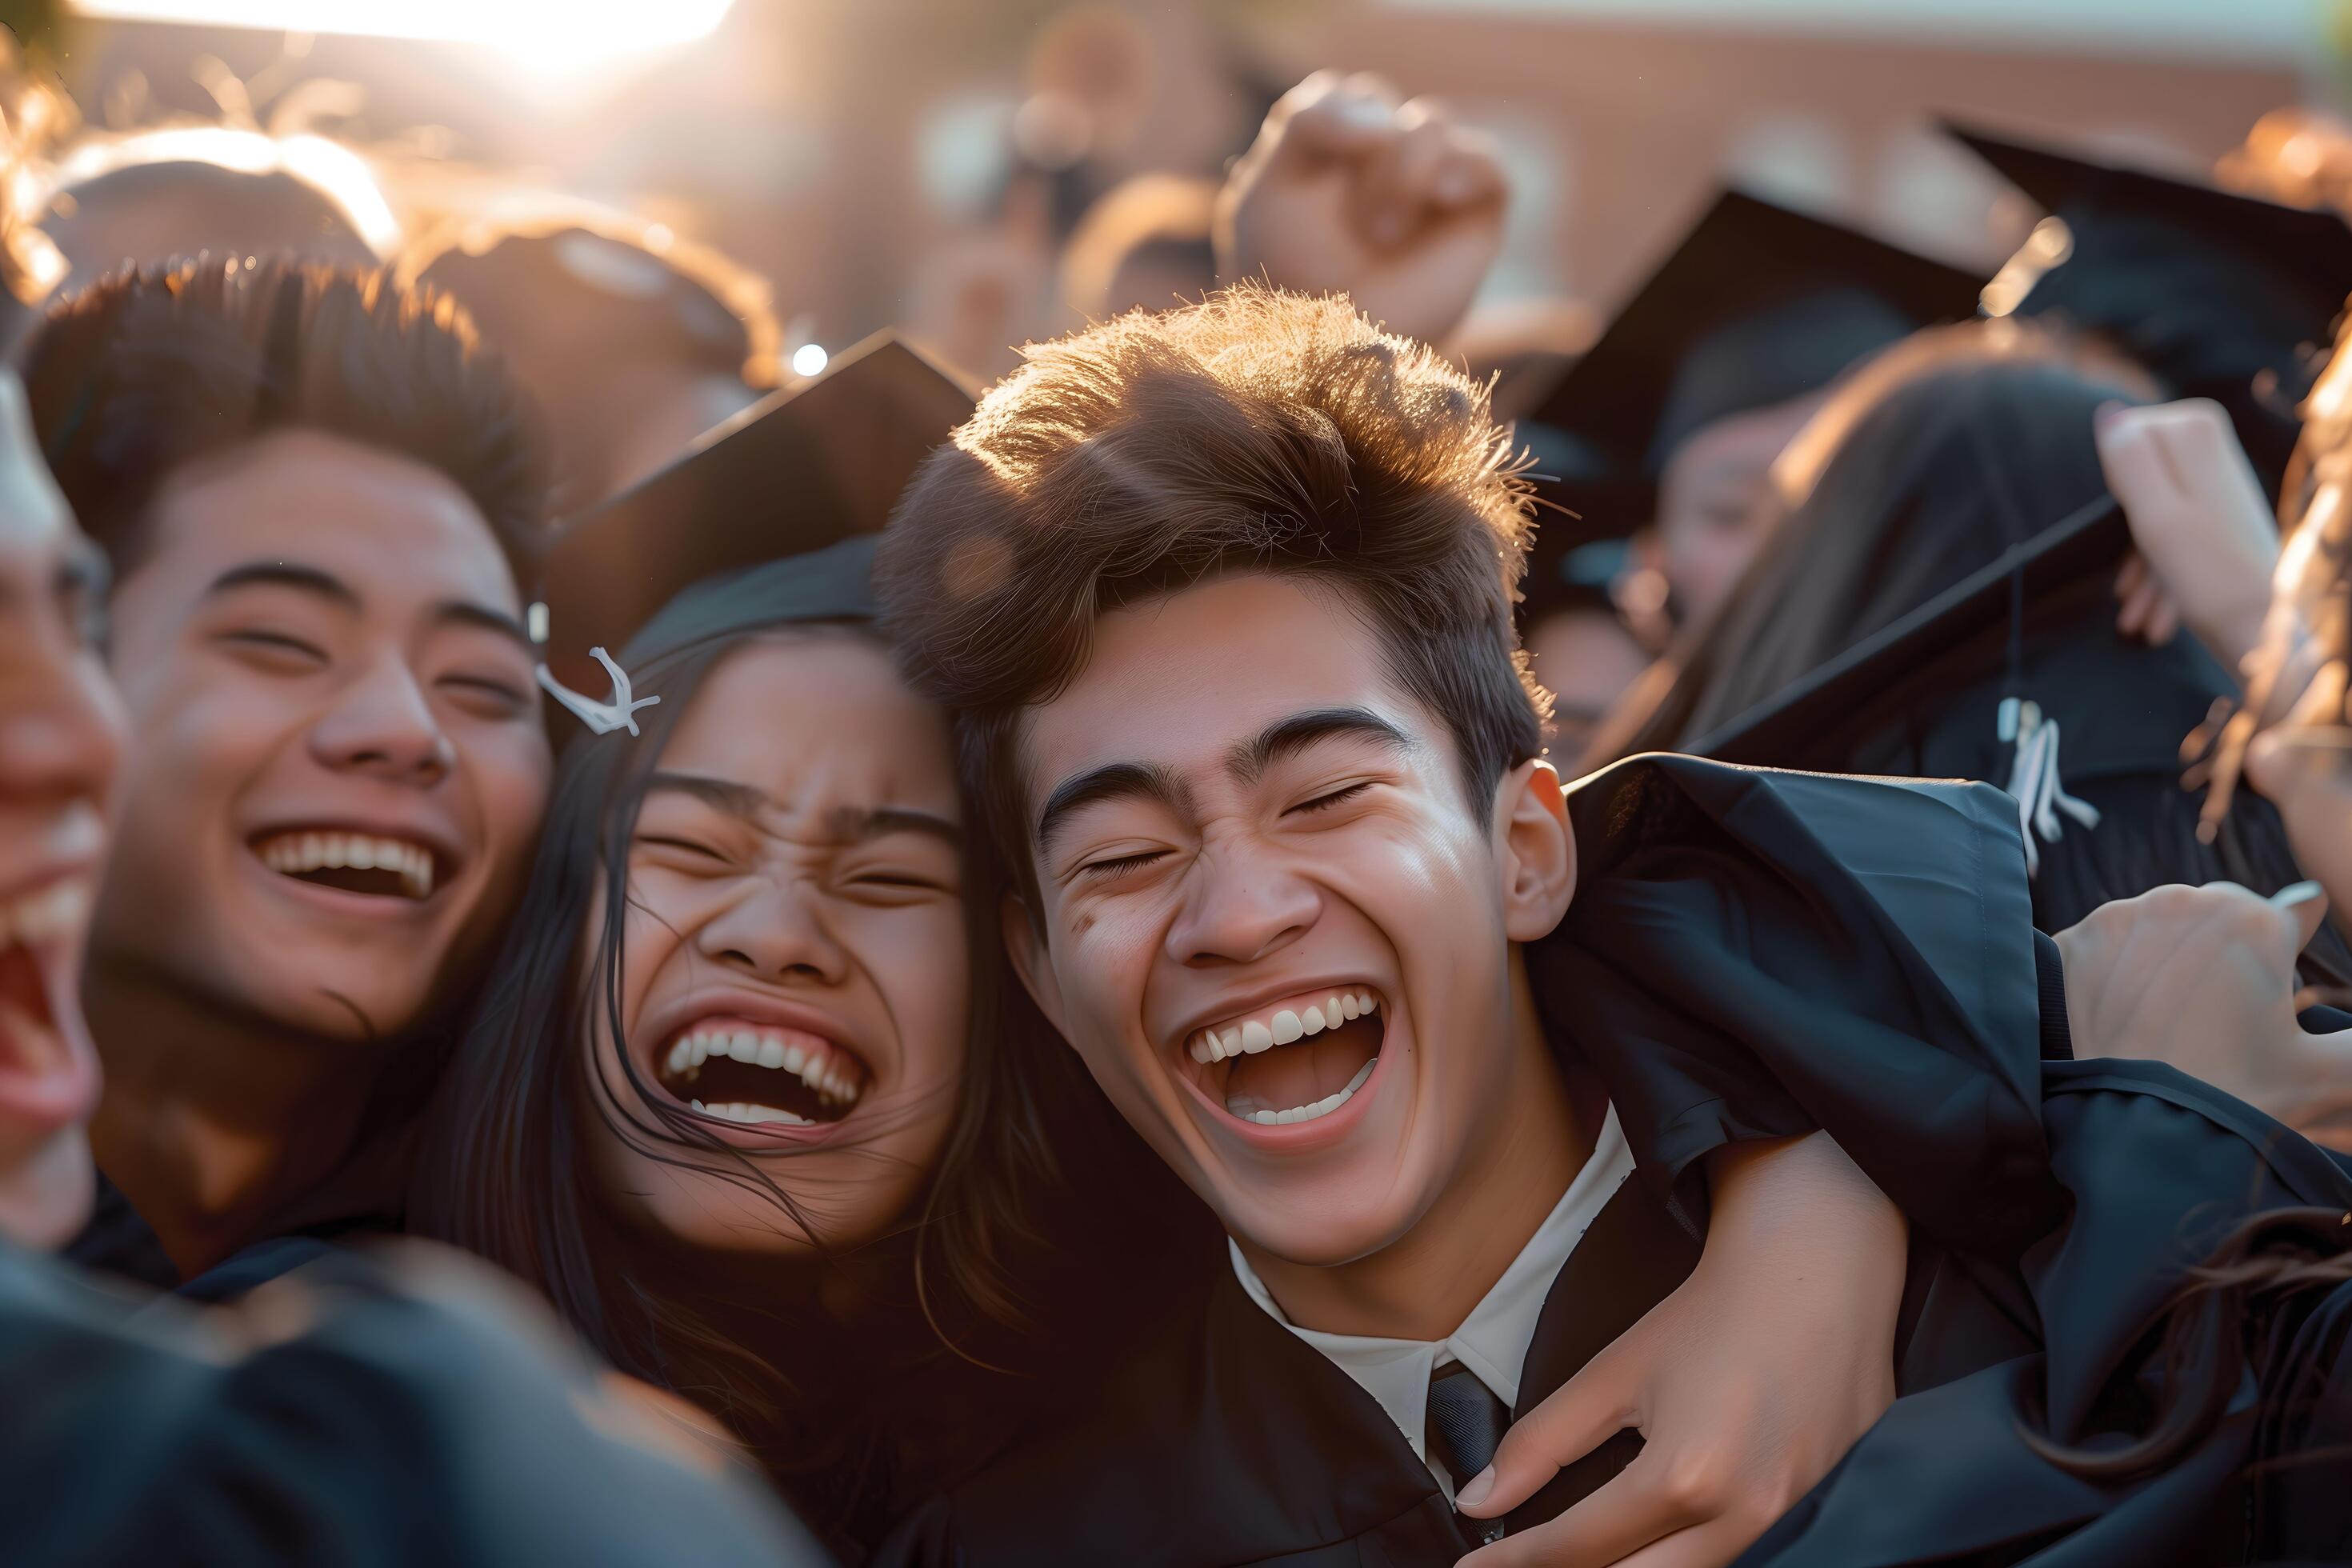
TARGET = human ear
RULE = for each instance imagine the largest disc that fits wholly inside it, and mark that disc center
(1031, 962)
(1537, 850)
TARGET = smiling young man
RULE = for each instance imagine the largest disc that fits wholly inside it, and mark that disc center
(354, 1408)
(1221, 600)
(316, 496)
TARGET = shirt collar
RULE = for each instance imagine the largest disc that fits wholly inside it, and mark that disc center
(1493, 1340)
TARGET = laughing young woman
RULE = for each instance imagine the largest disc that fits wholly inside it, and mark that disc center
(737, 1057)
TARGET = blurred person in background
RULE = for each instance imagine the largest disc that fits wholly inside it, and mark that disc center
(144, 198)
(1144, 246)
(320, 503)
(1679, 409)
(1928, 468)
(634, 342)
(407, 1406)
(2219, 295)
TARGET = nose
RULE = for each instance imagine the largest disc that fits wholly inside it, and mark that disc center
(383, 725)
(773, 930)
(61, 725)
(1240, 909)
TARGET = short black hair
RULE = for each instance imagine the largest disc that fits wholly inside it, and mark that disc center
(150, 369)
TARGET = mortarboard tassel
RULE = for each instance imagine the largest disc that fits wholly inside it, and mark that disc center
(601, 717)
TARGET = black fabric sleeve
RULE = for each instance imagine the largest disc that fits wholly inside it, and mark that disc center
(1758, 954)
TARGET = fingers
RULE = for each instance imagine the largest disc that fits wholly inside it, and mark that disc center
(1710, 1545)
(2306, 904)
(1580, 1414)
(1430, 168)
(1646, 1501)
(1331, 115)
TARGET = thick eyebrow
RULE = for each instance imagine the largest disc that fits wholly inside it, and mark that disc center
(1287, 737)
(724, 795)
(1112, 781)
(845, 826)
(327, 586)
(466, 613)
(863, 825)
(285, 574)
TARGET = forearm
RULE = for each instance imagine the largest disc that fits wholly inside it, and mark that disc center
(1802, 1203)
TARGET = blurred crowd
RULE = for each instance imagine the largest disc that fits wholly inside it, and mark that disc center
(1286, 921)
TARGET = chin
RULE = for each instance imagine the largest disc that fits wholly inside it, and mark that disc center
(1321, 1227)
(45, 1199)
(354, 1009)
(709, 1214)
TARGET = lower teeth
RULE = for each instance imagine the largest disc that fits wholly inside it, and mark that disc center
(1247, 1111)
(752, 1115)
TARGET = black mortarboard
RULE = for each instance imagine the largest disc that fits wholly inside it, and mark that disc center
(799, 470)
(1756, 305)
(1967, 632)
(2221, 295)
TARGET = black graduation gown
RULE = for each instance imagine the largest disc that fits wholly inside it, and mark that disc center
(341, 1419)
(118, 1241)
(1749, 955)
(2123, 710)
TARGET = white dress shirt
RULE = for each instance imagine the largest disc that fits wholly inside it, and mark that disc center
(1493, 1340)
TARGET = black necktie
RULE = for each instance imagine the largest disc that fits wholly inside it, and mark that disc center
(1466, 1423)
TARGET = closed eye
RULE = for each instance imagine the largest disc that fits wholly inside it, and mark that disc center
(501, 697)
(687, 846)
(275, 642)
(899, 879)
(1121, 865)
(1335, 797)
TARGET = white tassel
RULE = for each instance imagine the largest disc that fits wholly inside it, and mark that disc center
(601, 717)
(2034, 781)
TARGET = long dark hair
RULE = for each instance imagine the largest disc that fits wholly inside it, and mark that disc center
(503, 1168)
(1936, 456)
(2233, 1311)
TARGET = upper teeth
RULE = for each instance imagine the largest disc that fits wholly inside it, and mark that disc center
(54, 910)
(297, 852)
(803, 1056)
(1285, 1024)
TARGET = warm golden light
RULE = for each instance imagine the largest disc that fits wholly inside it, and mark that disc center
(569, 29)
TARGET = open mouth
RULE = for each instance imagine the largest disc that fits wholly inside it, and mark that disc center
(1293, 1060)
(364, 863)
(760, 1074)
(40, 1067)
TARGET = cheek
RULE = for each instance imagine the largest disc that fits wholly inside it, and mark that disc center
(200, 733)
(653, 939)
(921, 964)
(511, 775)
(1103, 955)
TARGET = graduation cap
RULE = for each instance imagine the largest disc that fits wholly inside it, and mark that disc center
(801, 470)
(1967, 631)
(2221, 295)
(1757, 304)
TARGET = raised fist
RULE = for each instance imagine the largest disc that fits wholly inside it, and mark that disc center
(1346, 189)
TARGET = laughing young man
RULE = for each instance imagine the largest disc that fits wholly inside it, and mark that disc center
(358, 1411)
(1222, 598)
(315, 496)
